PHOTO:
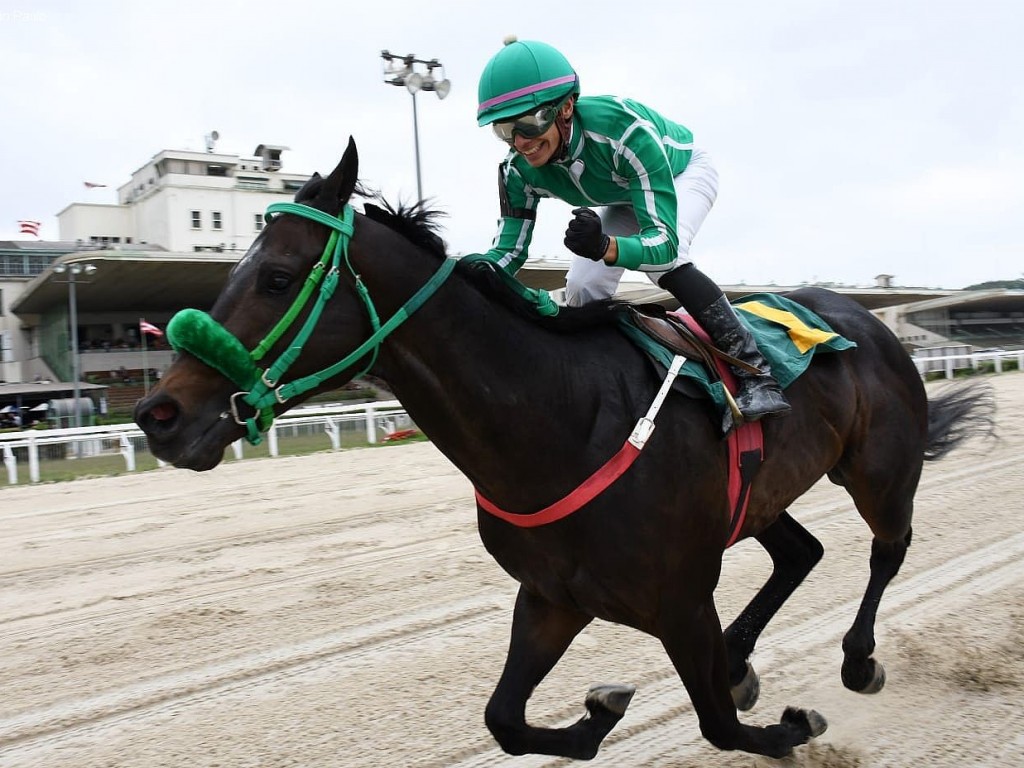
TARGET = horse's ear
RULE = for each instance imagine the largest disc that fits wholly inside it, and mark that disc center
(310, 188)
(338, 187)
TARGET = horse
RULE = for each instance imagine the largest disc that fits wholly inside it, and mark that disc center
(526, 407)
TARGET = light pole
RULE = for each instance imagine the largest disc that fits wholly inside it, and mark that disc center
(401, 70)
(72, 271)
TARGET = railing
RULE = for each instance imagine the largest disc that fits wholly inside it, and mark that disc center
(386, 417)
(958, 361)
(29, 446)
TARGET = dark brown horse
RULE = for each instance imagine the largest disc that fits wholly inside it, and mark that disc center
(527, 408)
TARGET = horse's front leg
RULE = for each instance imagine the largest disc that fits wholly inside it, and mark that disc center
(541, 633)
(794, 552)
(692, 635)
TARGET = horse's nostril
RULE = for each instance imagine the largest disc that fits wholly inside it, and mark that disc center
(163, 412)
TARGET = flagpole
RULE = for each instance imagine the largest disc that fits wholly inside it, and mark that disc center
(145, 367)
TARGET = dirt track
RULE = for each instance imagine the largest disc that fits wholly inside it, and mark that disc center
(339, 610)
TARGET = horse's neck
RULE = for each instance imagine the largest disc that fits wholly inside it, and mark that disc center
(461, 350)
(490, 388)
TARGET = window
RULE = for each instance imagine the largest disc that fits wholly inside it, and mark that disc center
(216, 220)
(5, 347)
(1, 303)
(257, 221)
(214, 169)
(197, 220)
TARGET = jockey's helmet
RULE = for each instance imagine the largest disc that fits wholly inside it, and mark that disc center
(523, 75)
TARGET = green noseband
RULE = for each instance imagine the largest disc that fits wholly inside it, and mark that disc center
(196, 332)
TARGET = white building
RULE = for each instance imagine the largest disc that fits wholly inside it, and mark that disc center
(183, 207)
(187, 201)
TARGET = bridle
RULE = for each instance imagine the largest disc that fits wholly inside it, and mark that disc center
(196, 332)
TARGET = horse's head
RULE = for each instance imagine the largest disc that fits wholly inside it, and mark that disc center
(244, 362)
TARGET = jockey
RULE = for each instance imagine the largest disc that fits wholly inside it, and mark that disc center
(653, 185)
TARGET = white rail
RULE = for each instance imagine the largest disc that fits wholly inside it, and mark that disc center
(958, 361)
(377, 416)
(88, 441)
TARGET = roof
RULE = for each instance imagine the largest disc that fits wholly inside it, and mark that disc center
(46, 388)
(58, 246)
(1000, 300)
(550, 275)
(129, 281)
(135, 280)
(42, 391)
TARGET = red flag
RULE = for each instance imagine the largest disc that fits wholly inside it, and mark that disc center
(149, 328)
(92, 184)
(29, 227)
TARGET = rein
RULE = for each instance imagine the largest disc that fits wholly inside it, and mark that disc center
(198, 333)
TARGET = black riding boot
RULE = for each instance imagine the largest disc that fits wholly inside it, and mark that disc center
(758, 395)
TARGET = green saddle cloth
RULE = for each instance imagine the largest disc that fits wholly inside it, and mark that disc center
(788, 335)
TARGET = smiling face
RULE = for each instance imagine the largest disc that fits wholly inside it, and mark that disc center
(539, 150)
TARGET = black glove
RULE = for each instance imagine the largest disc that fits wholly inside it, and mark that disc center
(584, 236)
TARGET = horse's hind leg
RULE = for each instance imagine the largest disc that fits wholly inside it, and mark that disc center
(541, 633)
(882, 485)
(861, 672)
(692, 636)
(794, 552)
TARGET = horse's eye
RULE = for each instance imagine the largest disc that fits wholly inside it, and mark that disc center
(277, 282)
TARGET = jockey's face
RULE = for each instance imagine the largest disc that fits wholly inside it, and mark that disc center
(538, 150)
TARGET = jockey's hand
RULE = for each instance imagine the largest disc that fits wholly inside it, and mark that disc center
(584, 236)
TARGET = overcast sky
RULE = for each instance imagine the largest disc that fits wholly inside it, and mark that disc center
(852, 138)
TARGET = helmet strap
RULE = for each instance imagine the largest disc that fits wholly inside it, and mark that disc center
(564, 125)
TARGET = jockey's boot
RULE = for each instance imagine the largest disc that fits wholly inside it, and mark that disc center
(759, 394)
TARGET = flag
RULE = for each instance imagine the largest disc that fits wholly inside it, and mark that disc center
(92, 184)
(149, 328)
(29, 227)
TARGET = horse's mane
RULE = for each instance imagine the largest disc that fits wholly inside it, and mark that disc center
(419, 225)
(416, 223)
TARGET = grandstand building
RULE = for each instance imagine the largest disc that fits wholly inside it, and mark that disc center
(186, 217)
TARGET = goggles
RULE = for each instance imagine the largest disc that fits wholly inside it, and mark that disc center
(528, 126)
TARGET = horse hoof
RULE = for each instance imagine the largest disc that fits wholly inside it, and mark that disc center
(806, 721)
(867, 676)
(817, 723)
(613, 698)
(747, 691)
(877, 681)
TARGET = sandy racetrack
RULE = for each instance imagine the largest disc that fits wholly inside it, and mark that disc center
(339, 610)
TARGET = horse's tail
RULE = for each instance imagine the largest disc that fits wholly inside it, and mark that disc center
(959, 413)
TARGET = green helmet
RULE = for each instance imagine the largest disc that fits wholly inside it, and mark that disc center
(522, 76)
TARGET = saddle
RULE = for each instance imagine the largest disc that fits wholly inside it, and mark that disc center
(675, 335)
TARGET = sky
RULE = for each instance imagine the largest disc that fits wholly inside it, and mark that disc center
(852, 139)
